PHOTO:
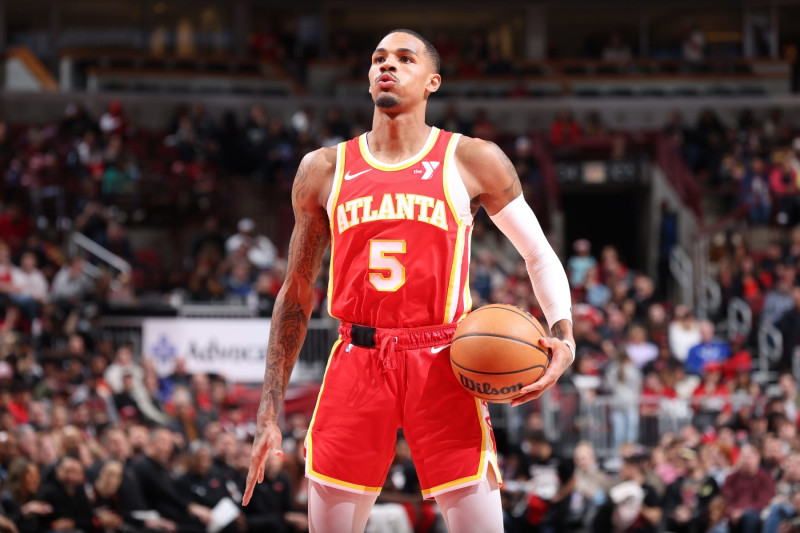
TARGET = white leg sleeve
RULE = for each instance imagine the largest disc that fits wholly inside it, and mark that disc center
(473, 509)
(337, 511)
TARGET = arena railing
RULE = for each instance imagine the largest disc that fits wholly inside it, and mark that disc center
(570, 416)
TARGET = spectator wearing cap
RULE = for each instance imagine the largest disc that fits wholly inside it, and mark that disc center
(257, 248)
(71, 510)
(580, 263)
(708, 350)
(748, 490)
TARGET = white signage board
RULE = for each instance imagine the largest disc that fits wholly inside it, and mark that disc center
(233, 348)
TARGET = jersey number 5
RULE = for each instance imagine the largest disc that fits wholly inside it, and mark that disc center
(392, 273)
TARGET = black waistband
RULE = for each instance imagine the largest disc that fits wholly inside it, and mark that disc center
(363, 336)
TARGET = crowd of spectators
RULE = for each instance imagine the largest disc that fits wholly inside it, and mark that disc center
(92, 438)
(752, 162)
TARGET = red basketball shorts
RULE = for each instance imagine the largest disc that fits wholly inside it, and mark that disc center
(403, 380)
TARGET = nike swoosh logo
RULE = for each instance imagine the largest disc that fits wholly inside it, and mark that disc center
(438, 349)
(349, 176)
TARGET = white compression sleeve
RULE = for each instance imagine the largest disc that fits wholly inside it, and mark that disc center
(518, 222)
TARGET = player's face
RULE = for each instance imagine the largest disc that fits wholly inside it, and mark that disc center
(401, 71)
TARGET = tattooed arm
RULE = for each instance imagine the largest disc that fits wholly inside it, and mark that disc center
(307, 246)
(491, 181)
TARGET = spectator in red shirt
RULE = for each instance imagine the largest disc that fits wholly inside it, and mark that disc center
(711, 399)
(14, 227)
(564, 131)
(748, 490)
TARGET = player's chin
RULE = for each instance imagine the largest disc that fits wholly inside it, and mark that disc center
(386, 100)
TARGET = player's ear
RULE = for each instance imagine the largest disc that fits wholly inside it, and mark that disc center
(434, 83)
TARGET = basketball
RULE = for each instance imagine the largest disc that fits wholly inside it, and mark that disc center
(496, 352)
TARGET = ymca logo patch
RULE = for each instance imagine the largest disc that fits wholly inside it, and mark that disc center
(429, 167)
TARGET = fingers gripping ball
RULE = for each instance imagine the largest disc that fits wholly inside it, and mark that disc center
(496, 352)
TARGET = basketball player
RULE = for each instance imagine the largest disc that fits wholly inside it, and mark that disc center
(396, 205)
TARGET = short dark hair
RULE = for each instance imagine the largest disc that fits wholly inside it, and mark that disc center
(433, 54)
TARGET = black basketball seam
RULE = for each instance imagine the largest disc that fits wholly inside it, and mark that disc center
(524, 314)
(502, 337)
(498, 373)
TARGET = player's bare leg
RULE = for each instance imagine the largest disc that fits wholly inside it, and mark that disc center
(337, 511)
(473, 509)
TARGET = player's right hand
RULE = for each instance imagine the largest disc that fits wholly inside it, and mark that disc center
(268, 437)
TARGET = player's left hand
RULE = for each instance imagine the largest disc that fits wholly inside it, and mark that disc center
(560, 360)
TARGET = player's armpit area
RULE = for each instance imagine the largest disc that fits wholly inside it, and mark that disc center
(488, 174)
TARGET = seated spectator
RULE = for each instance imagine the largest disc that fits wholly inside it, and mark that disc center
(71, 510)
(116, 241)
(564, 131)
(205, 485)
(755, 192)
(711, 399)
(784, 186)
(597, 294)
(550, 483)
(19, 501)
(270, 508)
(708, 350)
(789, 326)
(639, 349)
(616, 50)
(160, 491)
(748, 490)
(71, 284)
(590, 481)
(15, 226)
(688, 497)
(779, 299)
(579, 264)
(239, 282)
(106, 504)
(787, 488)
(258, 248)
(633, 505)
(624, 382)
(694, 46)
(30, 286)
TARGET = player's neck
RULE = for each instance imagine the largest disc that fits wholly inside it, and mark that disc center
(396, 138)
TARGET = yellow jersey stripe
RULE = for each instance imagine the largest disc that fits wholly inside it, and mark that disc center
(387, 167)
(337, 187)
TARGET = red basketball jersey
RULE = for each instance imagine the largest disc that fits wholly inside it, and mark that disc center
(400, 237)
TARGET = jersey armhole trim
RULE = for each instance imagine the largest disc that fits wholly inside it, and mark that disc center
(337, 181)
(454, 189)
